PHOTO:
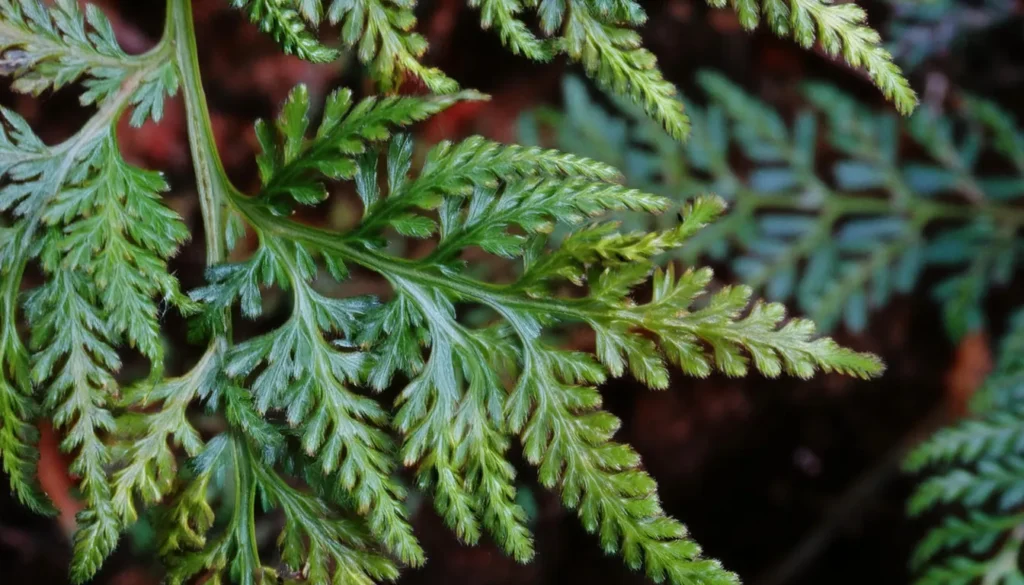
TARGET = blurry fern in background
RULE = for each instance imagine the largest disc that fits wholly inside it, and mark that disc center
(976, 478)
(834, 208)
(922, 30)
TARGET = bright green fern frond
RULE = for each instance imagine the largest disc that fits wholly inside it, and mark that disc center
(838, 29)
(568, 437)
(774, 347)
(105, 221)
(502, 15)
(148, 463)
(455, 415)
(295, 167)
(299, 370)
(454, 170)
(381, 31)
(451, 414)
(599, 34)
(74, 360)
(102, 218)
(602, 37)
(225, 458)
(316, 540)
(612, 54)
(295, 422)
(285, 21)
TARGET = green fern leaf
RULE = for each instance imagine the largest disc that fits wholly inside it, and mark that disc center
(381, 33)
(976, 464)
(300, 429)
(293, 167)
(50, 48)
(286, 21)
(78, 208)
(454, 417)
(838, 29)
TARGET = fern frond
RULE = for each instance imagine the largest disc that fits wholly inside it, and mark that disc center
(298, 427)
(823, 240)
(992, 479)
(77, 323)
(48, 48)
(101, 218)
(977, 464)
(613, 56)
(316, 541)
(502, 15)
(294, 167)
(319, 543)
(287, 23)
(569, 438)
(979, 532)
(74, 354)
(454, 414)
(918, 33)
(381, 31)
(148, 464)
(102, 238)
(18, 411)
(600, 35)
(973, 441)
(298, 370)
(838, 29)
(1003, 571)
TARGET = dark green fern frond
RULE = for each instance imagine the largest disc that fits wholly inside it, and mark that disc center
(970, 442)
(977, 465)
(919, 33)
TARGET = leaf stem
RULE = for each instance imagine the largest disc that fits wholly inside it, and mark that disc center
(212, 182)
(846, 204)
(492, 295)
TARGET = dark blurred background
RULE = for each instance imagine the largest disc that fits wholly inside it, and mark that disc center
(784, 481)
